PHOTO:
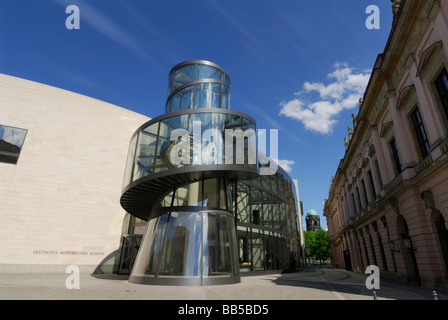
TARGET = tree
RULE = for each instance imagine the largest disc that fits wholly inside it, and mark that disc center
(310, 240)
(316, 245)
(322, 248)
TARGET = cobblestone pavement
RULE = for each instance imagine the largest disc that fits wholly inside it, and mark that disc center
(312, 283)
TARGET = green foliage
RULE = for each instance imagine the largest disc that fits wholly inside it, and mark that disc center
(316, 245)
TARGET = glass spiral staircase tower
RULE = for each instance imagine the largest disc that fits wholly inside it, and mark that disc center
(178, 175)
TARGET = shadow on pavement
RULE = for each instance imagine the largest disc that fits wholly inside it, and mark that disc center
(339, 282)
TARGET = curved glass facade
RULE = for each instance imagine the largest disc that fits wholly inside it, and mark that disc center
(266, 213)
(193, 178)
(190, 239)
(206, 193)
(192, 139)
(194, 246)
(198, 84)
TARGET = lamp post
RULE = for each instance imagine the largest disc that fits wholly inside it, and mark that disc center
(408, 244)
(392, 247)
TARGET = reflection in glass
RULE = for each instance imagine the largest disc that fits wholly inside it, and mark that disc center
(202, 95)
(270, 243)
(257, 249)
(180, 197)
(208, 72)
(282, 179)
(167, 200)
(170, 83)
(242, 203)
(180, 253)
(207, 144)
(184, 75)
(219, 246)
(130, 161)
(210, 193)
(152, 246)
(207, 95)
(11, 142)
(225, 97)
(191, 233)
(275, 213)
(260, 248)
(176, 103)
(188, 245)
(203, 120)
(232, 121)
(225, 78)
(245, 250)
(210, 94)
(168, 106)
(265, 182)
(187, 97)
(164, 144)
(224, 195)
(266, 209)
(255, 205)
(146, 149)
(193, 195)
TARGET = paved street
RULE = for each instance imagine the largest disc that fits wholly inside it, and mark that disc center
(344, 285)
(312, 283)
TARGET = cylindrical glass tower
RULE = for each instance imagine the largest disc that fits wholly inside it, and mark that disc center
(178, 175)
(198, 84)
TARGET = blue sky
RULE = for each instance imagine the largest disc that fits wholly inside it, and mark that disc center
(296, 66)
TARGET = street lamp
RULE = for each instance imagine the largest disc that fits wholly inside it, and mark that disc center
(392, 247)
(408, 244)
(407, 241)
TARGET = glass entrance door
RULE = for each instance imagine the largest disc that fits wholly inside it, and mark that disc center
(130, 245)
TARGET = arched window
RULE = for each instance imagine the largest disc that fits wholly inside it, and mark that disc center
(442, 234)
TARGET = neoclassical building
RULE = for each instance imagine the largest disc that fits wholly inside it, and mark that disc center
(388, 200)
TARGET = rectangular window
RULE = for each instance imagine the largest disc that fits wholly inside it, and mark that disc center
(442, 88)
(396, 156)
(378, 173)
(364, 191)
(11, 142)
(359, 199)
(354, 204)
(372, 184)
(420, 133)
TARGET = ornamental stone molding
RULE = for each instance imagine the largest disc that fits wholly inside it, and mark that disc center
(395, 205)
(396, 6)
(428, 199)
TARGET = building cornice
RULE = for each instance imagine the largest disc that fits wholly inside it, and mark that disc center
(411, 20)
(381, 85)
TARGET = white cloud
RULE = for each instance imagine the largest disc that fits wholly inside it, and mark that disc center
(285, 164)
(110, 29)
(271, 121)
(318, 114)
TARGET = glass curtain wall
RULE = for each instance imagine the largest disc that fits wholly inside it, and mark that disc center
(266, 230)
(150, 149)
(185, 176)
(196, 85)
(265, 209)
(191, 245)
(191, 239)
